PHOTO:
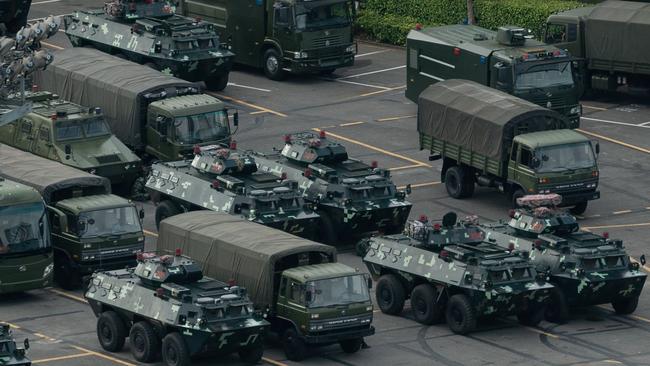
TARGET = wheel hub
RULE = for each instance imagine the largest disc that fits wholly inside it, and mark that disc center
(272, 64)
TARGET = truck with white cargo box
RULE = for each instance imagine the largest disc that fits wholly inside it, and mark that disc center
(154, 114)
(495, 139)
(307, 296)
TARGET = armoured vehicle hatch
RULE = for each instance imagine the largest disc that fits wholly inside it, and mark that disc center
(10, 354)
(148, 32)
(227, 180)
(449, 270)
(354, 199)
(166, 305)
(586, 268)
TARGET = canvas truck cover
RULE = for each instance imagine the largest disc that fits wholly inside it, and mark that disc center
(46, 176)
(230, 247)
(478, 117)
(619, 31)
(93, 78)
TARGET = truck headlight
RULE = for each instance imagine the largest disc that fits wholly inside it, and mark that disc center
(576, 110)
(48, 270)
(350, 49)
(315, 316)
(300, 55)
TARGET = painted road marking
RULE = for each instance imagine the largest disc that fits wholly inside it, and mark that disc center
(351, 124)
(621, 212)
(539, 331)
(372, 72)
(150, 233)
(50, 45)
(395, 118)
(259, 108)
(419, 185)
(405, 167)
(359, 84)
(49, 339)
(106, 357)
(249, 87)
(614, 122)
(273, 362)
(78, 355)
(367, 146)
(614, 141)
(68, 295)
(382, 91)
(365, 54)
(645, 123)
(588, 228)
(258, 112)
(45, 2)
(596, 108)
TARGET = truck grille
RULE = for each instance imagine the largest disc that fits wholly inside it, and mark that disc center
(106, 159)
(542, 100)
(343, 322)
(328, 41)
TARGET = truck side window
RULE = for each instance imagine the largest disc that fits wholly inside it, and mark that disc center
(44, 134)
(413, 58)
(556, 33)
(297, 293)
(283, 287)
(526, 157)
(56, 225)
(513, 153)
(26, 127)
(572, 32)
(282, 15)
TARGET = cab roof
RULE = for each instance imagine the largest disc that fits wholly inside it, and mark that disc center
(320, 271)
(550, 138)
(187, 105)
(92, 203)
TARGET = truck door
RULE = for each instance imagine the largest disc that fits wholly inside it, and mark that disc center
(501, 76)
(524, 174)
(283, 24)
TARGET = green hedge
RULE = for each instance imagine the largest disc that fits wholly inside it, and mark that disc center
(390, 20)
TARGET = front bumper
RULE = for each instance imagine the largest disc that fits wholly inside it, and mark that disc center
(324, 60)
(512, 303)
(569, 199)
(305, 227)
(12, 287)
(107, 259)
(339, 335)
(358, 222)
(119, 173)
(583, 291)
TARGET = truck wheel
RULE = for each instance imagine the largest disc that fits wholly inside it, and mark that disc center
(217, 83)
(557, 310)
(66, 276)
(456, 183)
(351, 345)
(294, 348)
(328, 233)
(164, 210)
(531, 316)
(423, 303)
(252, 354)
(273, 65)
(625, 306)
(174, 350)
(111, 331)
(579, 208)
(144, 342)
(460, 315)
(518, 193)
(390, 294)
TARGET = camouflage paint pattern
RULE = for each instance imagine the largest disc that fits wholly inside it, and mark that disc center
(10, 354)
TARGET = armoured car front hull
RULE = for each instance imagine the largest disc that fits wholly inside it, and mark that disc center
(600, 287)
(356, 221)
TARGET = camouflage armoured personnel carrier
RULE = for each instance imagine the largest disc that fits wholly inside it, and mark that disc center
(165, 305)
(449, 271)
(73, 135)
(10, 354)
(586, 269)
(227, 180)
(354, 199)
(149, 33)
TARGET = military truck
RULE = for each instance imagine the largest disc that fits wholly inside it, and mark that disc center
(10, 354)
(449, 271)
(150, 33)
(282, 36)
(13, 15)
(309, 298)
(586, 268)
(508, 60)
(158, 116)
(165, 306)
(609, 36)
(353, 199)
(494, 139)
(227, 180)
(25, 248)
(73, 135)
(90, 228)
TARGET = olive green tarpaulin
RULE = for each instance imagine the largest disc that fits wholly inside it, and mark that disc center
(229, 247)
(93, 78)
(619, 31)
(46, 176)
(479, 118)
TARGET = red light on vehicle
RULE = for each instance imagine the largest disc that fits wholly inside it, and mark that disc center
(374, 164)
(594, 173)
(436, 227)
(444, 254)
(215, 184)
(557, 53)
(283, 176)
(178, 252)
(198, 19)
(605, 234)
(139, 256)
(418, 26)
(287, 139)
(53, 116)
(423, 218)
(197, 149)
(34, 88)
(322, 134)
(233, 145)
(538, 244)
(160, 292)
(456, 51)
(511, 246)
(511, 213)
(132, 7)
(307, 173)
(231, 282)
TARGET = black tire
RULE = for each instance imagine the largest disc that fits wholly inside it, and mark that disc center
(144, 342)
(579, 208)
(531, 316)
(66, 276)
(294, 347)
(457, 182)
(166, 209)
(252, 354)
(111, 331)
(272, 64)
(174, 350)
(424, 306)
(217, 83)
(557, 310)
(518, 193)
(390, 294)
(328, 233)
(625, 306)
(460, 314)
(351, 345)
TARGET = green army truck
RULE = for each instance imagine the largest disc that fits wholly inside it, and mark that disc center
(280, 36)
(494, 139)
(158, 116)
(90, 228)
(507, 60)
(308, 298)
(25, 250)
(73, 135)
(612, 38)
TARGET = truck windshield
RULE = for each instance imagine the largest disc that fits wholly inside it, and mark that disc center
(338, 291)
(202, 127)
(565, 157)
(545, 75)
(78, 129)
(23, 229)
(322, 16)
(113, 221)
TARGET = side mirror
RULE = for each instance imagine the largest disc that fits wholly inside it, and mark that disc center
(235, 119)
(308, 297)
(408, 189)
(237, 209)
(26, 344)
(68, 149)
(369, 279)
(642, 260)
(81, 225)
(141, 214)
(535, 163)
(597, 147)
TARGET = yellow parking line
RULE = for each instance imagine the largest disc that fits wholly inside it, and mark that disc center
(589, 228)
(418, 185)
(351, 124)
(150, 233)
(106, 357)
(259, 108)
(382, 91)
(395, 118)
(273, 362)
(621, 212)
(69, 296)
(633, 147)
(539, 331)
(15, 326)
(47, 44)
(50, 339)
(405, 167)
(78, 355)
(596, 108)
(367, 146)
(258, 112)
(640, 318)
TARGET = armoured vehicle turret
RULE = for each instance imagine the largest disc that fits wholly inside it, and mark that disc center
(354, 199)
(10, 354)
(586, 268)
(450, 271)
(226, 180)
(165, 305)
(149, 32)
